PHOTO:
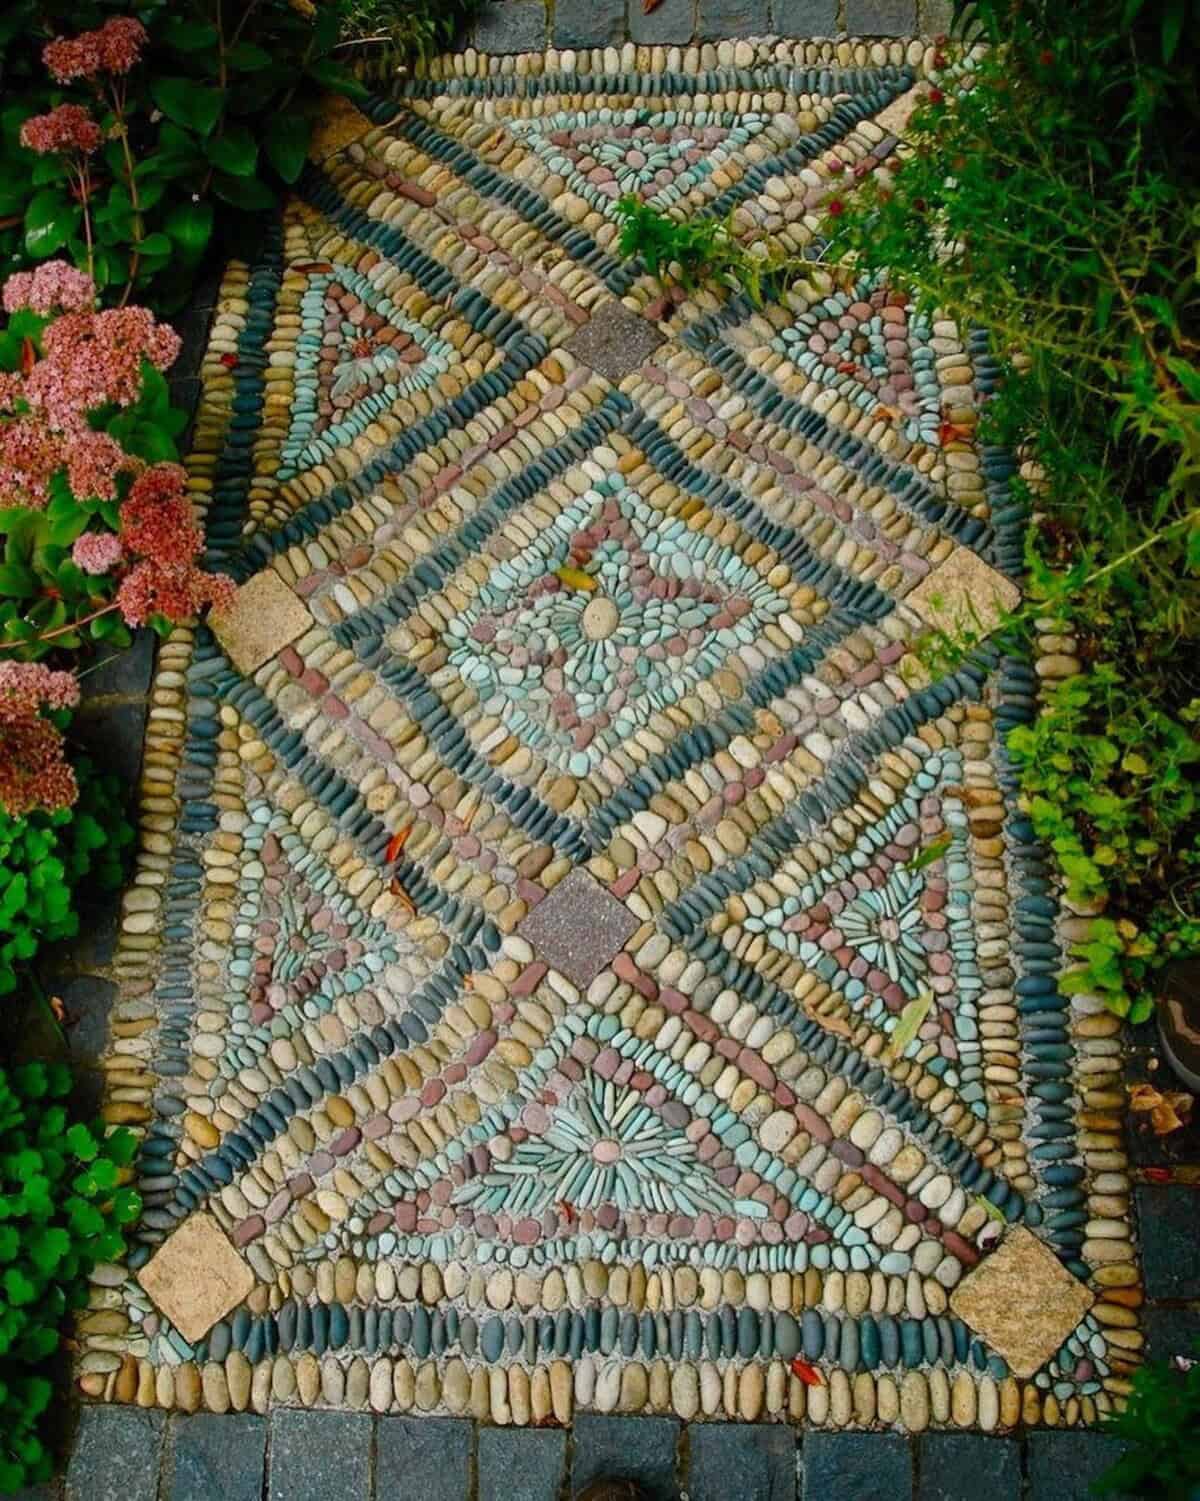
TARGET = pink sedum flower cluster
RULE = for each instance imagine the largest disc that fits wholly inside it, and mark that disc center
(33, 771)
(157, 523)
(67, 128)
(54, 285)
(97, 552)
(93, 359)
(114, 48)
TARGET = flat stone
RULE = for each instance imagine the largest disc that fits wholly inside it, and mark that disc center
(116, 1455)
(217, 1455)
(264, 617)
(963, 593)
(672, 21)
(856, 1467)
(589, 23)
(638, 1449)
(579, 927)
(426, 1457)
(968, 1467)
(521, 1464)
(894, 119)
(1170, 1246)
(127, 672)
(754, 1462)
(512, 26)
(196, 1277)
(1063, 1464)
(321, 1456)
(724, 18)
(881, 17)
(1022, 1301)
(338, 123)
(804, 17)
(615, 341)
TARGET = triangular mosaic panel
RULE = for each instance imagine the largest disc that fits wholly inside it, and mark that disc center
(652, 635)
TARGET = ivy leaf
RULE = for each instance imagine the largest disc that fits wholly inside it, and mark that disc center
(50, 221)
(193, 104)
(285, 142)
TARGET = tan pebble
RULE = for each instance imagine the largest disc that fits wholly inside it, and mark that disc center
(456, 1386)
(710, 1388)
(962, 1400)
(585, 1383)
(283, 1379)
(146, 1389)
(333, 1382)
(381, 1385)
(864, 1398)
(403, 1385)
(427, 1388)
(914, 1402)
(841, 1400)
(887, 1401)
(540, 1401)
(777, 1386)
(750, 1392)
(164, 1387)
(308, 1378)
(561, 1390)
(260, 1386)
(635, 1388)
(237, 1378)
(519, 1401)
(608, 1386)
(497, 1391)
(660, 1386)
(125, 1386)
(187, 1387)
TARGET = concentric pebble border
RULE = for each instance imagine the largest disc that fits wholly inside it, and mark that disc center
(586, 1097)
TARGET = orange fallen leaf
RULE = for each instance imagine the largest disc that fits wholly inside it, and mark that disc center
(1169, 1110)
(567, 1210)
(395, 844)
(649, 5)
(807, 1373)
(398, 890)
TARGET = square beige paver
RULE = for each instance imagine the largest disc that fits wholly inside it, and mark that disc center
(196, 1277)
(264, 618)
(963, 593)
(1022, 1301)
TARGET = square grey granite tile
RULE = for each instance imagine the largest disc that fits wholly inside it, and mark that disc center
(614, 341)
(578, 927)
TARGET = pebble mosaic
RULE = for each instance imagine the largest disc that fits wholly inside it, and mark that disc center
(537, 880)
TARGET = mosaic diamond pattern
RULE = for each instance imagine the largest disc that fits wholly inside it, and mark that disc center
(533, 922)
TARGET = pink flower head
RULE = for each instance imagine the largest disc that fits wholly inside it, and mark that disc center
(55, 284)
(121, 41)
(12, 389)
(176, 590)
(33, 772)
(30, 453)
(94, 460)
(97, 552)
(94, 359)
(115, 48)
(156, 517)
(67, 128)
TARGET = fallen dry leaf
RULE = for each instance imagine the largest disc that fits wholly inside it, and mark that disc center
(1169, 1110)
(807, 1373)
(395, 844)
(649, 5)
(575, 578)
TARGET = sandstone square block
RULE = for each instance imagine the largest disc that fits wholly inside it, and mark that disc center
(264, 618)
(1022, 1301)
(963, 593)
(196, 1277)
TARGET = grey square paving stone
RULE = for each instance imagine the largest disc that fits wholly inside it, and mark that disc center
(579, 927)
(319, 1456)
(754, 1462)
(1171, 1331)
(968, 1467)
(641, 1449)
(725, 18)
(521, 1464)
(856, 1467)
(673, 21)
(217, 1455)
(428, 1458)
(804, 17)
(589, 23)
(116, 1456)
(1170, 1244)
(615, 341)
(881, 17)
(512, 26)
(1062, 1465)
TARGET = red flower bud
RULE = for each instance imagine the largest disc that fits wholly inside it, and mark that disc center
(836, 207)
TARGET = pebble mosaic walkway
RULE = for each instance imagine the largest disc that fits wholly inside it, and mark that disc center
(539, 859)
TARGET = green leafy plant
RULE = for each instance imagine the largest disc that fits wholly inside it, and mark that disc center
(691, 251)
(64, 1200)
(45, 856)
(203, 121)
(1160, 1424)
(1048, 190)
(407, 28)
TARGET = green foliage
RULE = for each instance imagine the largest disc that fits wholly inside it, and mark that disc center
(1060, 168)
(412, 28)
(691, 251)
(1160, 1425)
(43, 859)
(206, 131)
(63, 1203)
